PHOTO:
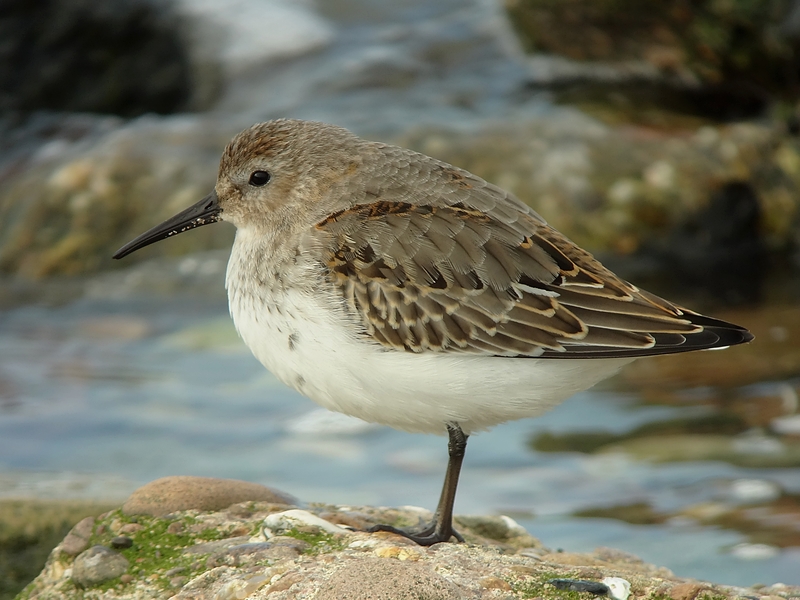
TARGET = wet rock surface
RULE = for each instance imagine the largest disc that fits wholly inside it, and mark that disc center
(118, 57)
(653, 196)
(73, 188)
(725, 55)
(232, 554)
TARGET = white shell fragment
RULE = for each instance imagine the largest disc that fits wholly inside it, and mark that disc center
(619, 588)
(294, 518)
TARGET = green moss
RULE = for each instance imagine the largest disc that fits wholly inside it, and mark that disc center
(155, 550)
(712, 596)
(655, 596)
(210, 535)
(539, 586)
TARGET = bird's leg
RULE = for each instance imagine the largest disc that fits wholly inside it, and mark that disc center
(441, 528)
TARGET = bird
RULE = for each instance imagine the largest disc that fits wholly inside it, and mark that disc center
(397, 288)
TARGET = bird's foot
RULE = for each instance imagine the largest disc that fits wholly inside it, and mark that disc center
(428, 536)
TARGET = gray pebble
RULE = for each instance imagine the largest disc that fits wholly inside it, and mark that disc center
(578, 585)
(121, 541)
(77, 540)
(96, 565)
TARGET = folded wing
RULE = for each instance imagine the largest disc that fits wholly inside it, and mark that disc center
(451, 278)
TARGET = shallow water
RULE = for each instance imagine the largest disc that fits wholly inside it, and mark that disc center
(140, 375)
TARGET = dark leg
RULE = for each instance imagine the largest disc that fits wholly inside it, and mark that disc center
(441, 529)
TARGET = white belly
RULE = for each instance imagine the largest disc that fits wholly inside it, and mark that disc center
(309, 347)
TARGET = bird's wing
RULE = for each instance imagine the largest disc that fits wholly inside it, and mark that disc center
(495, 281)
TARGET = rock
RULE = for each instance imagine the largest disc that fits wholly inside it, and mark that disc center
(121, 541)
(578, 585)
(171, 494)
(747, 551)
(718, 247)
(277, 548)
(77, 540)
(96, 565)
(387, 579)
(624, 191)
(500, 528)
(130, 57)
(610, 189)
(723, 54)
(357, 565)
(121, 57)
(686, 591)
(299, 519)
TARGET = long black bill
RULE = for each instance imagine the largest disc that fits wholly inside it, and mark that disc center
(203, 213)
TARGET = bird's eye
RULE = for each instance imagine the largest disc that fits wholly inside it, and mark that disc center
(259, 178)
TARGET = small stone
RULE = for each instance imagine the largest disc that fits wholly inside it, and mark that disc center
(57, 570)
(577, 585)
(96, 565)
(121, 541)
(686, 591)
(494, 583)
(387, 552)
(285, 582)
(296, 518)
(131, 528)
(276, 548)
(408, 554)
(171, 494)
(77, 540)
(174, 571)
(177, 582)
(216, 545)
(176, 527)
(126, 578)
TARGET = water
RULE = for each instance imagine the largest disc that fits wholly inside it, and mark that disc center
(140, 375)
(112, 381)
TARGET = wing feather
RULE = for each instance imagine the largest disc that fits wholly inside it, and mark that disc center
(473, 270)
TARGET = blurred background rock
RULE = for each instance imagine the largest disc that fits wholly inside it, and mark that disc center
(682, 106)
(661, 136)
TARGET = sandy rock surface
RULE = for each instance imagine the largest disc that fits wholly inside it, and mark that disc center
(259, 549)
